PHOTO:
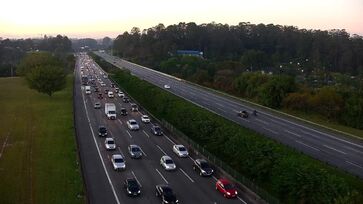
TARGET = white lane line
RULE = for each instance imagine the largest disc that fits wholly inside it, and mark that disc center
(161, 150)
(136, 178)
(191, 158)
(120, 121)
(221, 109)
(119, 149)
(353, 149)
(169, 139)
(307, 145)
(354, 164)
(99, 153)
(143, 152)
(297, 135)
(214, 178)
(268, 129)
(332, 148)
(129, 133)
(219, 104)
(146, 134)
(239, 198)
(192, 93)
(261, 121)
(186, 175)
(162, 176)
(310, 134)
(3, 147)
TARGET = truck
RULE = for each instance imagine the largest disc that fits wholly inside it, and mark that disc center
(110, 111)
(88, 89)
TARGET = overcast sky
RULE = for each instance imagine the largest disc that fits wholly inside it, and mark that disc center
(88, 18)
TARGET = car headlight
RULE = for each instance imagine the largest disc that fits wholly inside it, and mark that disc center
(128, 191)
(228, 193)
(139, 191)
(203, 172)
(236, 192)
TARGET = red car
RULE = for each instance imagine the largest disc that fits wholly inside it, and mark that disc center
(226, 188)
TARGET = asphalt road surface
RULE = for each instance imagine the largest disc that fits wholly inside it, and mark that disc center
(335, 149)
(103, 183)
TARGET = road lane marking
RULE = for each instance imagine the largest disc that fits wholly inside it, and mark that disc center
(3, 147)
(214, 178)
(169, 139)
(128, 133)
(162, 176)
(354, 164)
(297, 135)
(136, 178)
(120, 121)
(99, 153)
(143, 152)
(307, 145)
(239, 198)
(186, 175)
(268, 129)
(332, 148)
(119, 149)
(161, 150)
(219, 104)
(146, 134)
(264, 122)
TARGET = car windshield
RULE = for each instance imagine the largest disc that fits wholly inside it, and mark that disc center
(110, 142)
(135, 149)
(228, 186)
(182, 149)
(157, 129)
(169, 161)
(132, 184)
(204, 165)
(119, 160)
(168, 191)
(103, 129)
(145, 117)
(111, 112)
(133, 122)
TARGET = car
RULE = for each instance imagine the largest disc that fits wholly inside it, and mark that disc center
(117, 90)
(118, 162)
(102, 131)
(110, 94)
(97, 105)
(134, 107)
(97, 89)
(166, 86)
(135, 151)
(243, 114)
(105, 76)
(167, 163)
(100, 96)
(132, 187)
(203, 167)
(110, 143)
(226, 188)
(125, 100)
(180, 150)
(106, 91)
(132, 124)
(112, 85)
(156, 130)
(123, 111)
(103, 84)
(166, 194)
(121, 94)
(145, 119)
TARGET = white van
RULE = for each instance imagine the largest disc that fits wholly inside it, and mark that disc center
(110, 94)
(88, 89)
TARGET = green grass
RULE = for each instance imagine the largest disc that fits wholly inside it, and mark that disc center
(39, 161)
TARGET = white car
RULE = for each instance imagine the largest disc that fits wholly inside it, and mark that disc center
(167, 163)
(103, 84)
(110, 143)
(166, 86)
(120, 94)
(132, 124)
(180, 150)
(145, 119)
(118, 162)
(110, 94)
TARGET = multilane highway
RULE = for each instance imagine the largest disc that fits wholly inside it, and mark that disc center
(333, 148)
(103, 183)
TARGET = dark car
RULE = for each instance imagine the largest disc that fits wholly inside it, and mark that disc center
(166, 194)
(97, 89)
(112, 85)
(243, 114)
(100, 96)
(102, 131)
(125, 99)
(132, 187)
(123, 111)
(203, 167)
(135, 151)
(226, 188)
(156, 130)
(106, 91)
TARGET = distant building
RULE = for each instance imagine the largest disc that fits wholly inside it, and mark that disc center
(193, 53)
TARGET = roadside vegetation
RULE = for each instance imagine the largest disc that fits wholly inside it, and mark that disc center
(38, 162)
(307, 73)
(289, 175)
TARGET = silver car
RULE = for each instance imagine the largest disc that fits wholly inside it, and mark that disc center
(97, 105)
(118, 162)
(110, 143)
(167, 163)
(132, 124)
(180, 150)
(135, 151)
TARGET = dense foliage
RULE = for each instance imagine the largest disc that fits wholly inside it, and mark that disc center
(289, 175)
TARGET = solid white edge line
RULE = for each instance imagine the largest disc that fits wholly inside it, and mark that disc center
(297, 135)
(186, 175)
(98, 150)
(314, 148)
(332, 148)
(354, 164)
(162, 176)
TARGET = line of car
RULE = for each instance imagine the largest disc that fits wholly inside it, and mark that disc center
(131, 185)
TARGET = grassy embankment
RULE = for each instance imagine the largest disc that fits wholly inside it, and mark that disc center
(37, 140)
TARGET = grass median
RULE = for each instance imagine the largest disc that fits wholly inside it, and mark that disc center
(38, 162)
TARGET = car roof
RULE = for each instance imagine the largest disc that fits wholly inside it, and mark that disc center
(179, 145)
(132, 120)
(144, 116)
(109, 139)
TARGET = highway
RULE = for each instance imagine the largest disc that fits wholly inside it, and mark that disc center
(327, 146)
(103, 183)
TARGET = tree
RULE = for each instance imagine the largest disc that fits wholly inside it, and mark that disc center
(46, 79)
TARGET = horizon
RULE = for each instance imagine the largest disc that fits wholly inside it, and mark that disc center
(85, 19)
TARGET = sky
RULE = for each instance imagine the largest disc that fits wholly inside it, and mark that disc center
(96, 19)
